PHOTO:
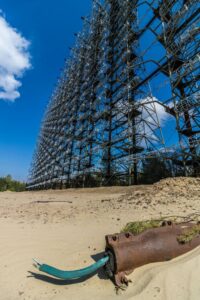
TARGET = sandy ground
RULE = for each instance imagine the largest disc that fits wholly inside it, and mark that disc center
(67, 228)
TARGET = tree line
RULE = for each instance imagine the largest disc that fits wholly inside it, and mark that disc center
(7, 183)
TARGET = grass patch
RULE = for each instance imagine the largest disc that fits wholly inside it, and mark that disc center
(140, 226)
(189, 234)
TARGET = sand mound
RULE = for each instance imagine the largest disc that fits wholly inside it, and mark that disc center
(170, 192)
(177, 279)
(179, 184)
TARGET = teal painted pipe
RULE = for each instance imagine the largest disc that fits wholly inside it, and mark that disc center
(71, 275)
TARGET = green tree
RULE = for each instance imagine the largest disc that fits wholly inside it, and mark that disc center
(8, 184)
(155, 169)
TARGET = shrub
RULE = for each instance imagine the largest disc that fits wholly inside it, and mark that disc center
(8, 184)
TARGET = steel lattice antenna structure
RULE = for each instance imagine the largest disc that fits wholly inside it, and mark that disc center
(103, 118)
(179, 34)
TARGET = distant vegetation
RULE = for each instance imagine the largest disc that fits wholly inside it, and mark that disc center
(155, 169)
(9, 184)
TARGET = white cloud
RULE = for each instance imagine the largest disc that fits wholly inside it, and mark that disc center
(155, 119)
(154, 111)
(14, 60)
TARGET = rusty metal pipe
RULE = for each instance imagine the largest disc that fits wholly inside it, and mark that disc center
(127, 251)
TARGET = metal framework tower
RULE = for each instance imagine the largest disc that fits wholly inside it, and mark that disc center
(103, 118)
(180, 36)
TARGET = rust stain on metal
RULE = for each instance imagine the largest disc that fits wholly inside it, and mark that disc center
(128, 251)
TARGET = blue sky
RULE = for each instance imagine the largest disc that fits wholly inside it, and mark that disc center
(49, 27)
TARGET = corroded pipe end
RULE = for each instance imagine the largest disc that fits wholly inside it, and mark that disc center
(127, 251)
